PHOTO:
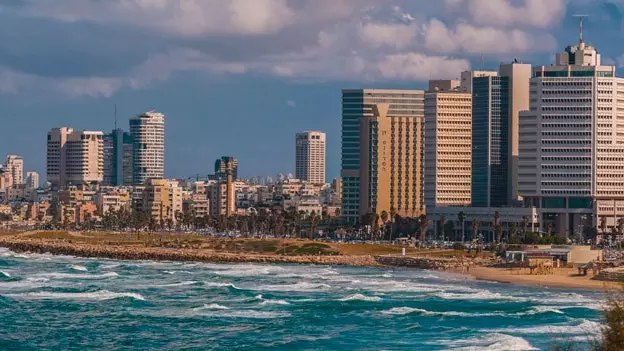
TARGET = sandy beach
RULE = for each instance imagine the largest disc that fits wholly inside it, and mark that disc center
(561, 278)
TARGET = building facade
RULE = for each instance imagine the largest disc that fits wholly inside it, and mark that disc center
(391, 178)
(147, 131)
(358, 104)
(221, 165)
(571, 162)
(118, 150)
(310, 157)
(32, 180)
(15, 167)
(162, 199)
(74, 157)
(448, 148)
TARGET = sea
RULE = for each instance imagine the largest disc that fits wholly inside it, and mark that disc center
(68, 303)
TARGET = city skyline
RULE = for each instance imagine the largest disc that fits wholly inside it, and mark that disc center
(280, 99)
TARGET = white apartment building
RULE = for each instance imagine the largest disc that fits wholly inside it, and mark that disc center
(148, 155)
(571, 152)
(74, 157)
(15, 167)
(310, 157)
(32, 180)
(448, 148)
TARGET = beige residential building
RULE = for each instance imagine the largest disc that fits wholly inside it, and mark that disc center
(448, 148)
(15, 167)
(162, 199)
(75, 157)
(391, 163)
(310, 157)
(32, 180)
(219, 200)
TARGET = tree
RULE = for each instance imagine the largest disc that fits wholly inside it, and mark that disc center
(462, 218)
(525, 225)
(603, 225)
(423, 224)
(384, 217)
(620, 224)
(475, 228)
(442, 224)
(550, 228)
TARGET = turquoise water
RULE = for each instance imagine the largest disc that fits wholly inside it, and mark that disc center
(67, 303)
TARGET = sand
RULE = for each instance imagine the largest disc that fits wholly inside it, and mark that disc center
(561, 278)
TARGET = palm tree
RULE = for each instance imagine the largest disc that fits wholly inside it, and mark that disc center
(550, 229)
(603, 225)
(442, 224)
(423, 223)
(525, 225)
(475, 228)
(620, 223)
(497, 224)
(461, 216)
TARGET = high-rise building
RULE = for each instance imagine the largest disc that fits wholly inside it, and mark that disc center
(310, 157)
(221, 165)
(15, 167)
(496, 102)
(391, 164)
(571, 161)
(468, 76)
(74, 157)
(357, 109)
(448, 148)
(118, 158)
(148, 152)
(32, 180)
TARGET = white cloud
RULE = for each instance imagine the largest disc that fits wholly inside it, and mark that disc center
(291, 103)
(537, 13)
(395, 35)
(416, 66)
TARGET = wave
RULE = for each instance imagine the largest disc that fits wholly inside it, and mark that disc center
(274, 302)
(409, 310)
(250, 314)
(110, 265)
(387, 275)
(6, 274)
(478, 295)
(81, 276)
(185, 283)
(297, 287)
(249, 271)
(99, 295)
(585, 327)
(360, 297)
(212, 306)
(490, 342)
(79, 268)
(219, 285)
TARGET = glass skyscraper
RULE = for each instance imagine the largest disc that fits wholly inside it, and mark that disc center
(490, 141)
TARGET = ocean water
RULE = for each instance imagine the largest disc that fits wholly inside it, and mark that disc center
(67, 303)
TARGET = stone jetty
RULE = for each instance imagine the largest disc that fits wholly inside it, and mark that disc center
(171, 254)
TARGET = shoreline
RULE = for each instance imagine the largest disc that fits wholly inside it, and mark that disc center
(562, 279)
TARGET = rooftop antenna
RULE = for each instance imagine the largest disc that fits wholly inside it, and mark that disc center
(115, 116)
(580, 17)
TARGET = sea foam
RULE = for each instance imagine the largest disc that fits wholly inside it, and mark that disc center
(57, 275)
(99, 295)
(79, 268)
(490, 342)
(360, 297)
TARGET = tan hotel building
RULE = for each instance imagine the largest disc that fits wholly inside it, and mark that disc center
(391, 163)
(448, 148)
(74, 157)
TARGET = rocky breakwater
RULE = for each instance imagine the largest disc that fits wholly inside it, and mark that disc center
(434, 263)
(611, 274)
(170, 254)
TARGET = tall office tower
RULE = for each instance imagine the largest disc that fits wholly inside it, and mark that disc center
(357, 106)
(221, 165)
(15, 167)
(391, 163)
(448, 148)
(496, 102)
(148, 147)
(468, 76)
(118, 158)
(310, 157)
(572, 142)
(32, 180)
(75, 157)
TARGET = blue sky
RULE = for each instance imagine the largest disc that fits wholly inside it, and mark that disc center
(241, 77)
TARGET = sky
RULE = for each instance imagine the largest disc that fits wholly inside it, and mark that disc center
(241, 77)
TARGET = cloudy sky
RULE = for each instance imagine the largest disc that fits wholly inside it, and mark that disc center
(241, 77)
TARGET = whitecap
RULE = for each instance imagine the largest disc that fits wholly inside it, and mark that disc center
(387, 275)
(79, 268)
(585, 327)
(360, 297)
(297, 287)
(219, 285)
(478, 295)
(56, 275)
(212, 306)
(184, 283)
(99, 295)
(408, 310)
(545, 309)
(110, 265)
(250, 314)
(490, 342)
(6, 274)
(248, 271)
(274, 302)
